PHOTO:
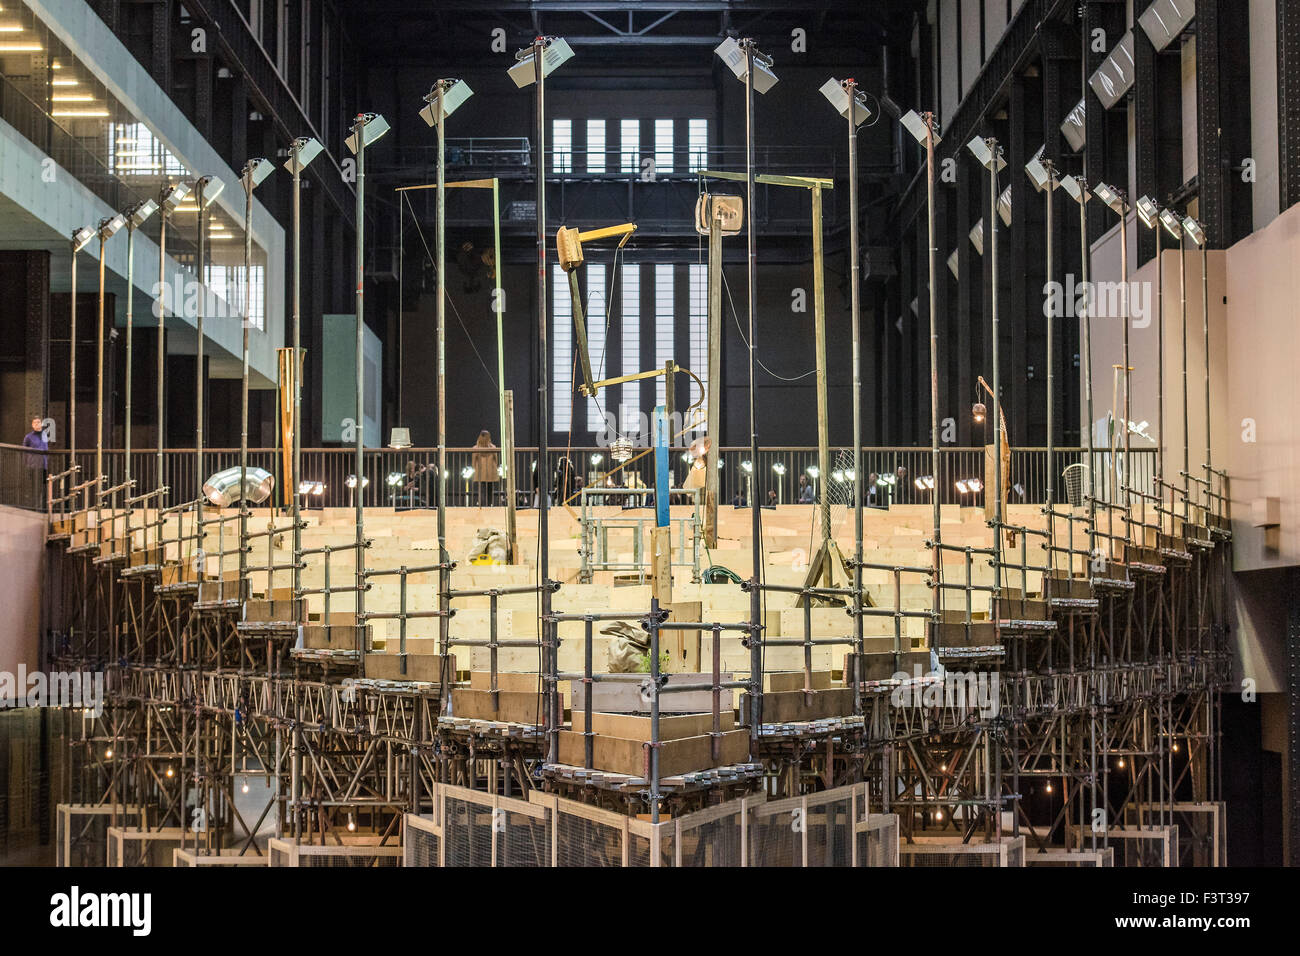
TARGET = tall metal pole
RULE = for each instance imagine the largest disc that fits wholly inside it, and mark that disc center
(130, 343)
(358, 471)
(198, 331)
(500, 306)
(1128, 391)
(295, 466)
(72, 366)
(1205, 321)
(1051, 365)
(936, 556)
(1160, 356)
(243, 385)
(1087, 347)
(99, 370)
(160, 369)
(756, 530)
(1182, 287)
(996, 151)
(550, 689)
(855, 311)
(444, 580)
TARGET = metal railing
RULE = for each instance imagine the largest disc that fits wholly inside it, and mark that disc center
(385, 483)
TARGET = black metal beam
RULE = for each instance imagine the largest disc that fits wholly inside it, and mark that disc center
(1288, 102)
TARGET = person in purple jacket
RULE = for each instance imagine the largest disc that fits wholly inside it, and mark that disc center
(37, 460)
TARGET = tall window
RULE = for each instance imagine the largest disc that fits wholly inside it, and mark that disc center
(630, 145)
(561, 351)
(595, 146)
(699, 347)
(304, 60)
(663, 146)
(597, 308)
(561, 146)
(697, 142)
(663, 324)
(630, 409)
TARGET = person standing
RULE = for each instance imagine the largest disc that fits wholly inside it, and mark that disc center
(38, 461)
(486, 464)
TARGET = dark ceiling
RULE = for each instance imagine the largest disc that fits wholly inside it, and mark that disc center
(643, 33)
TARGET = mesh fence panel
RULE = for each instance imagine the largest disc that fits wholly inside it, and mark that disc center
(830, 833)
(638, 850)
(279, 856)
(717, 843)
(422, 847)
(774, 838)
(938, 857)
(525, 842)
(878, 844)
(468, 831)
(353, 860)
(583, 842)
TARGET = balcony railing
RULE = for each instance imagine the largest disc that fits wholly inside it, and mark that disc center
(21, 484)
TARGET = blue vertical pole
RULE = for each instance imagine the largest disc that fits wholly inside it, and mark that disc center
(661, 467)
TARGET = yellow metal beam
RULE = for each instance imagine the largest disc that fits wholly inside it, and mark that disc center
(806, 182)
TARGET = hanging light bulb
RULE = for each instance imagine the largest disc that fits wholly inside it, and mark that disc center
(352, 824)
(108, 754)
(170, 773)
(244, 788)
(1120, 763)
(1049, 788)
(938, 815)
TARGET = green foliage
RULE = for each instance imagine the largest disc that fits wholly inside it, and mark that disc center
(643, 665)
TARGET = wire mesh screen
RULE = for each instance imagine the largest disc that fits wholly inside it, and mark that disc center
(279, 855)
(226, 858)
(1076, 484)
(526, 840)
(1146, 846)
(1070, 858)
(82, 832)
(355, 860)
(468, 829)
(585, 842)
(422, 843)
(127, 847)
(950, 851)
(878, 840)
(638, 850)
(776, 835)
(716, 842)
(830, 831)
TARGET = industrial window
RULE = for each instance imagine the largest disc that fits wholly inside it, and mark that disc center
(663, 146)
(630, 145)
(133, 150)
(663, 324)
(630, 409)
(697, 141)
(595, 146)
(699, 347)
(597, 308)
(561, 352)
(561, 146)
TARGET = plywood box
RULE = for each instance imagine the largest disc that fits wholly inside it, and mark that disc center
(511, 707)
(419, 667)
(624, 697)
(626, 756)
(671, 727)
(790, 706)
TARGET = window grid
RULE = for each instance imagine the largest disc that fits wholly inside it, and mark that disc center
(630, 407)
(561, 351)
(663, 146)
(699, 345)
(663, 324)
(697, 142)
(630, 145)
(596, 310)
(561, 146)
(595, 146)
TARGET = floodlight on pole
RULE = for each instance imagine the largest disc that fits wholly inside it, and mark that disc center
(107, 228)
(301, 152)
(80, 239)
(754, 70)
(1076, 187)
(743, 60)
(988, 153)
(532, 65)
(135, 217)
(553, 52)
(206, 191)
(440, 103)
(1116, 201)
(924, 128)
(169, 199)
(1042, 174)
(366, 129)
(837, 92)
(453, 93)
(1149, 212)
(1172, 223)
(253, 173)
